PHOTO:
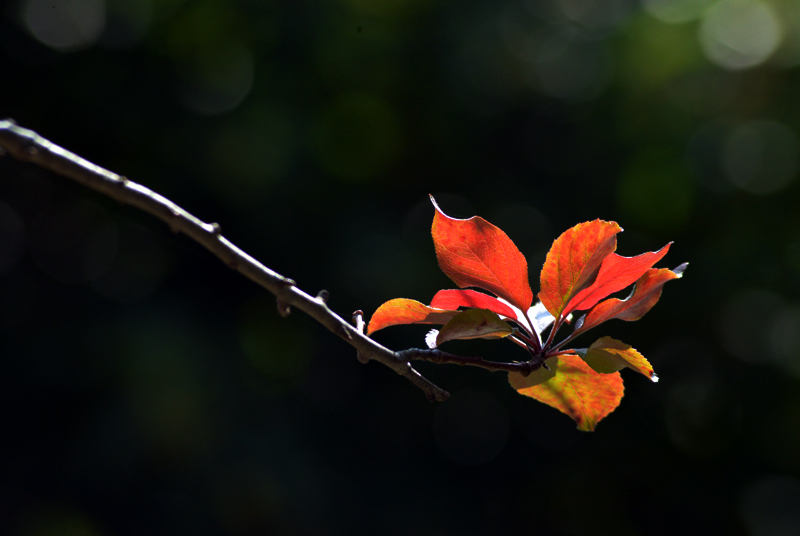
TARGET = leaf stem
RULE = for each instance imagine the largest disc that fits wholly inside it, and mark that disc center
(556, 325)
(536, 341)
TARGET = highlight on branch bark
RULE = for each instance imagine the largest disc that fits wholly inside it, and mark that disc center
(27, 146)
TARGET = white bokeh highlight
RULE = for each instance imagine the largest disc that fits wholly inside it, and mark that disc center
(65, 25)
(738, 34)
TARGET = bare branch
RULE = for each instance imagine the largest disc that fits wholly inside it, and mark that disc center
(28, 146)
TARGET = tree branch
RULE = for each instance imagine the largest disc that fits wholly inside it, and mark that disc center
(27, 146)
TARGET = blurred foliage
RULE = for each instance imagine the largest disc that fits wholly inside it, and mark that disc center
(147, 389)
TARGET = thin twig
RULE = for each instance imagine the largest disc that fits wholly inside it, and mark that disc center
(437, 356)
(28, 146)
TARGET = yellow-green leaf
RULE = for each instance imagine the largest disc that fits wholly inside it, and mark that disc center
(609, 355)
(474, 324)
(572, 387)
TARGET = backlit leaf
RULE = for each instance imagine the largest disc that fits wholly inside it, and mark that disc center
(475, 253)
(453, 299)
(607, 355)
(616, 273)
(644, 296)
(572, 388)
(573, 262)
(474, 324)
(404, 311)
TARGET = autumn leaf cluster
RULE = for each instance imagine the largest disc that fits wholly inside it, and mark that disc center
(580, 272)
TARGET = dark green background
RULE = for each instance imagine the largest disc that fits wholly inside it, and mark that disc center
(145, 388)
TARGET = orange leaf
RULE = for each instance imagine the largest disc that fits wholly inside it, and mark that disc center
(644, 296)
(475, 253)
(404, 311)
(572, 388)
(573, 262)
(607, 355)
(453, 299)
(616, 273)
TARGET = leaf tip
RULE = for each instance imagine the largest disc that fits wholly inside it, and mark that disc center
(654, 378)
(680, 269)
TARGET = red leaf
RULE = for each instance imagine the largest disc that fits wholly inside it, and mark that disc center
(475, 253)
(453, 299)
(574, 261)
(404, 311)
(616, 273)
(572, 388)
(644, 296)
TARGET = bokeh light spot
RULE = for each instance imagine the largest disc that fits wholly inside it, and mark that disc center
(252, 152)
(358, 136)
(65, 25)
(676, 11)
(52, 519)
(704, 150)
(217, 79)
(674, 45)
(134, 263)
(785, 339)
(73, 242)
(280, 350)
(655, 188)
(387, 9)
(737, 34)
(128, 22)
(745, 322)
(761, 157)
(596, 14)
(571, 68)
(770, 506)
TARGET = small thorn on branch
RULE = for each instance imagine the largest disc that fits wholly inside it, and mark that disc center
(216, 229)
(283, 308)
(175, 216)
(323, 295)
(123, 180)
(343, 332)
